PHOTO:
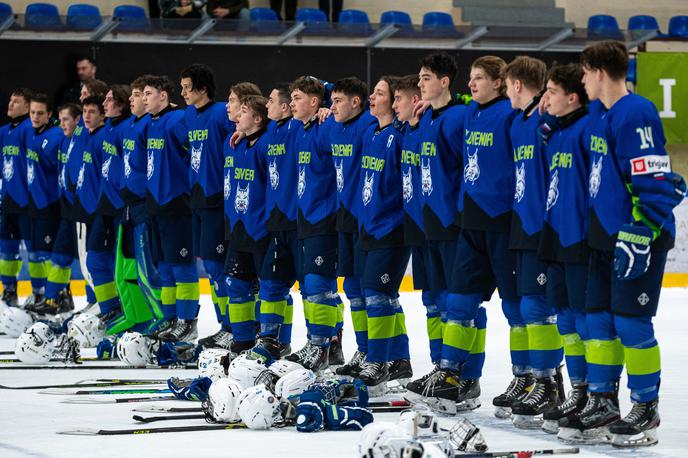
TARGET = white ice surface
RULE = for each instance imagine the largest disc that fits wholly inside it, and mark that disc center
(29, 421)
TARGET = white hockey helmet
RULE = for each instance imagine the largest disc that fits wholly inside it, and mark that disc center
(14, 321)
(258, 407)
(222, 403)
(418, 423)
(382, 440)
(429, 449)
(214, 363)
(245, 370)
(282, 367)
(36, 345)
(294, 383)
(86, 329)
(134, 349)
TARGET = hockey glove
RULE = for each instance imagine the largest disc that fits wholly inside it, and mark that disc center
(190, 390)
(107, 348)
(632, 252)
(341, 418)
(309, 417)
(177, 353)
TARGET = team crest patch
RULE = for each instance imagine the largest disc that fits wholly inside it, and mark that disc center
(553, 192)
(227, 186)
(151, 166)
(471, 172)
(105, 169)
(407, 185)
(425, 178)
(242, 198)
(302, 182)
(367, 192)
(7, 168)
(542, 279)
(385, 279)
(127, 165)
(595, 177)
(520, 182)
(643, 299)
(196, 157)
(339, 168)
(30, 172)
(183, 252)
(274, 174)
(80, 179)
(62, 182)
(319, 261)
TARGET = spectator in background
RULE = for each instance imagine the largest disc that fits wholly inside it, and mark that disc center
(228, 9)
(337, 6)
(85, 70)
(289, 8)
(181, 9)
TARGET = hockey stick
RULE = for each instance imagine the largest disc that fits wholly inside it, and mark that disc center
(169, 429)
(142, 419)
(521, 453)
(59, 391)
(17, 360)
(86, 400)
(104, 382)
(88, 366)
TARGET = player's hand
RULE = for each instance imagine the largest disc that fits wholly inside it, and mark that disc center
(323, 114)
(420, 107)
(632, 252)
(236, 138)
(544, 103)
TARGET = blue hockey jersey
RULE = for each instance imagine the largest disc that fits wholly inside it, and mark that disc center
(316, 188)
(381, 206)
(346, 139)
(280, 200)
(13, 140)
(530, 173)
(168, 164)
(42, 154)
(410, 185)
(245, 202)
(110, 200)
(208, 127)
(441, 165)
(134, 159)
(87, 186)
(488, 172)
(627, 145)
(565, 231)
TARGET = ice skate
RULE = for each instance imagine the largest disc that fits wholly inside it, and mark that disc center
(544, 395)
(375, 376)
(440, 392)
(574, 403)
(336, 355)
(311, 357)
(353, 367)
(221, 339)
(638, 428)
(181, 331)
(469, 395)
(518, 388)
(9, 296)
(591, 425)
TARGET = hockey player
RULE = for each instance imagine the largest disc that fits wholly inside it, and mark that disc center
(245, 187)
(282, 263)
(632, 193)
(406, 96)
(346, 138)
(441, 161)
(41, 179)
(384, 257)
(14, 225)
(57, 291)
(563, 243)
(208, 127)
(317, 215)
(167, 202)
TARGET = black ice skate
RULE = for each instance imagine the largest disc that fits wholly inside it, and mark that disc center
(181, 331)
(311, 357)
(375, 375)
(35, 297)
(401, 371)
(574, 403)
(9, 296)
(440, 391)
(354, 366)
(53, 308)
(518, 388)
(269, 348)
(417, 385)
(221, 339)
(544, 395)
(336, 355)
(159, 327)
(638, 428)
(469, 395)
(591, 425)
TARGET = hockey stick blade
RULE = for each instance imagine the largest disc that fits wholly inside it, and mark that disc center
(136, 431)
(90, 383)
(142, 419)
(516, 453)
(61, 391)
(87, 400)
(86, 366)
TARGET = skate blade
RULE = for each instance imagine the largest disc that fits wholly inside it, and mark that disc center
(397, 386)
(503, 413)
(527, 421)
(643, 439)
(550, 426)
(378, 391)
(468, 404)
(437, 405)
(593, 436)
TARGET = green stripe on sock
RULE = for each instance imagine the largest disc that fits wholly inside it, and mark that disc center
(59, 274)
(518, 338)
(604, 352)
(434, 326)
(479, 342)
(642, 361)
(240, 312)
(105, 291)
(188, 291)
(360, 320)
(273, 308)
(573, 345)
(458, 336)
(168, 295)
(324, 315)
(543, 337)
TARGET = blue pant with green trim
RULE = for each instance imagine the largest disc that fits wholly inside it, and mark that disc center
(179, 289)
(10, 262)
(544, 344)
(242, 309)
(573, 329)
(101, 266)
(275, 310)
(321, 308)
(218, 289)
(387, 338)
(604, 352)
(642, 356)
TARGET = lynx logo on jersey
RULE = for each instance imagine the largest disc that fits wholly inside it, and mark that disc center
(471, 172)
(425, 178)
(595, 177)
(7, 168)
(228, 185)
(553, 193)
(367, 193)
(196, 157)
(339, 168)
(520, 182)
(29, 172)
(127, 165)
(241, 198)
(302, 182)
(80, 180)
(274, 174)
(151, 166)
(407, 185)
(105, 169)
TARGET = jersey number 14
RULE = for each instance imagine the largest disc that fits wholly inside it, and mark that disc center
(646, 139)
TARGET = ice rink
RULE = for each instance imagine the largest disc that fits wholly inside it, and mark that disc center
(29, 420)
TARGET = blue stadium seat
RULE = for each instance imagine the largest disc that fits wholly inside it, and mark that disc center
(42, 16)
(263, 14)
(83, 17)
(353, 17)
(678, 27)
(132, 17)
(395, 17)
(5, 11)
(632, 72)
(603, 26)
(643, 22)
(436, 19)
(310, 15)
